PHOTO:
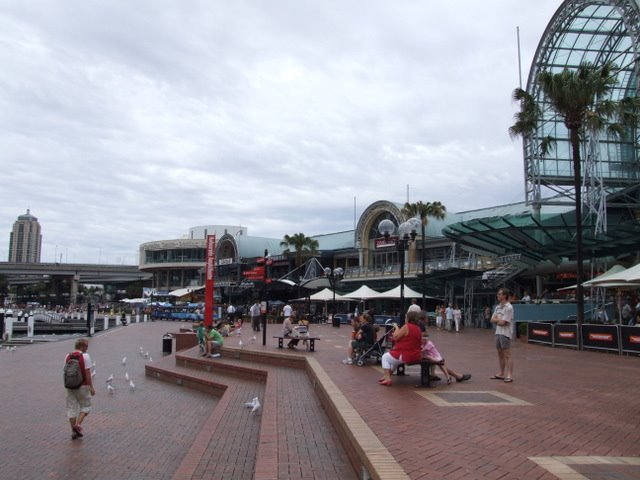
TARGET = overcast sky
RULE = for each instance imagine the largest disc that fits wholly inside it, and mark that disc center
(123, 122)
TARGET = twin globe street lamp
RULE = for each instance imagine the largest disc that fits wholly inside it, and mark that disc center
(407, 233)
(334, 276)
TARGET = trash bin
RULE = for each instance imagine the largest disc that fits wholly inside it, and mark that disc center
(167, 341)
(335, 321)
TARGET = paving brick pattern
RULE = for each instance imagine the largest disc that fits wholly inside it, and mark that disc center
(138, 435)
(582, 403)
(578, 405)
(306, 444)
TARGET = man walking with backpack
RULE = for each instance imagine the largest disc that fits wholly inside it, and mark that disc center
(79, 386)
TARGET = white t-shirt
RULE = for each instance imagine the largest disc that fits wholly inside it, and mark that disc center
(255, 310)
(505, 312)
(287, 310)
(231, 309)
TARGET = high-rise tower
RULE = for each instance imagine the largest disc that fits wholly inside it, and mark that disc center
(25, 241)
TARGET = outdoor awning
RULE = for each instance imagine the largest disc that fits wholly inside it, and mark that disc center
(630, 275)
(395, 293)
(363, 293)
(181, 292)
(325, 295)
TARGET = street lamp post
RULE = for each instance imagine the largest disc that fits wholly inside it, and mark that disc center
(334, 276)
(266, 301)
(406, 234)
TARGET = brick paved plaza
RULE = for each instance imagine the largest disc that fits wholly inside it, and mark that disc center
(568, 415)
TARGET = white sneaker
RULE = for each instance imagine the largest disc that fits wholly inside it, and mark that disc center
(347, 361)
(214, 355)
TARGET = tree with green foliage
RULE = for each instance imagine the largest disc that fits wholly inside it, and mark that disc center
(423, 211)
(581, 97)
(302, 244)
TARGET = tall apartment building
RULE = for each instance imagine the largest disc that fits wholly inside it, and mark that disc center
(25, 242)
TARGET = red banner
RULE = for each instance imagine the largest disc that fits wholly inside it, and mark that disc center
(209, 285)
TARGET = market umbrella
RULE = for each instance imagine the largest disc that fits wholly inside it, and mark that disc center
(631, 275)
(395, 293)
(363, 293)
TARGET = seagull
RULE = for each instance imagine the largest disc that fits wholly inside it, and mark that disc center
(253, 339)
(124, 360)
(126, 376)
(110, 378)
(146, 354)
(141, 351)
(150, 359)
(240, 344)
(110, 388)
(132, 386)
(256, 406)
(251, 403)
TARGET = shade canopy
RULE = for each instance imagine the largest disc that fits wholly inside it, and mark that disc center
(395, 293)
(181, 292)
(363, 293)
(325, 295)
(630, 275)
(605, 276)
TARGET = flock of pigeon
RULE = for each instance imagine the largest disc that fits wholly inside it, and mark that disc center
(110, 379)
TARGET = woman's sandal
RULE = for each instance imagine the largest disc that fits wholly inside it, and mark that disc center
(508, 380)
(496, 377)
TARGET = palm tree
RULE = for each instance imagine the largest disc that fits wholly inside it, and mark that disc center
(302, 244)
(423, 211)
(580, 97)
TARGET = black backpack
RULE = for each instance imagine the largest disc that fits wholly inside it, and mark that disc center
(73, 371)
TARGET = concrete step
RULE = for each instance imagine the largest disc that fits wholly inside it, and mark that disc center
(291, 431)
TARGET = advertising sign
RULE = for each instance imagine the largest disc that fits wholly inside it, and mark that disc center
(630, 339)
(383, 242)
(565, 335)
(209, 285)
(540, 333)
(601, 337)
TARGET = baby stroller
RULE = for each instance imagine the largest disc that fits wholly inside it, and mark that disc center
(374, 351)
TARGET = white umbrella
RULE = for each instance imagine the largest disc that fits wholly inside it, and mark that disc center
(606, 276)
(363, 293)
(631, 275)
(594, 282)
(326, 295)
(395, 293)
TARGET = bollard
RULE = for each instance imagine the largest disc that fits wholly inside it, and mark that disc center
(167, 341)
(145, 318)
(30, 322)
(128, 319)
(106, 322)
(137, 318)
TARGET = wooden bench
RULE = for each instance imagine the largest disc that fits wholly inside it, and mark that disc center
(311, 341)
(425, 371)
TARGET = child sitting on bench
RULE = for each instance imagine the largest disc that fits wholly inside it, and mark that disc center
(429, 352)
